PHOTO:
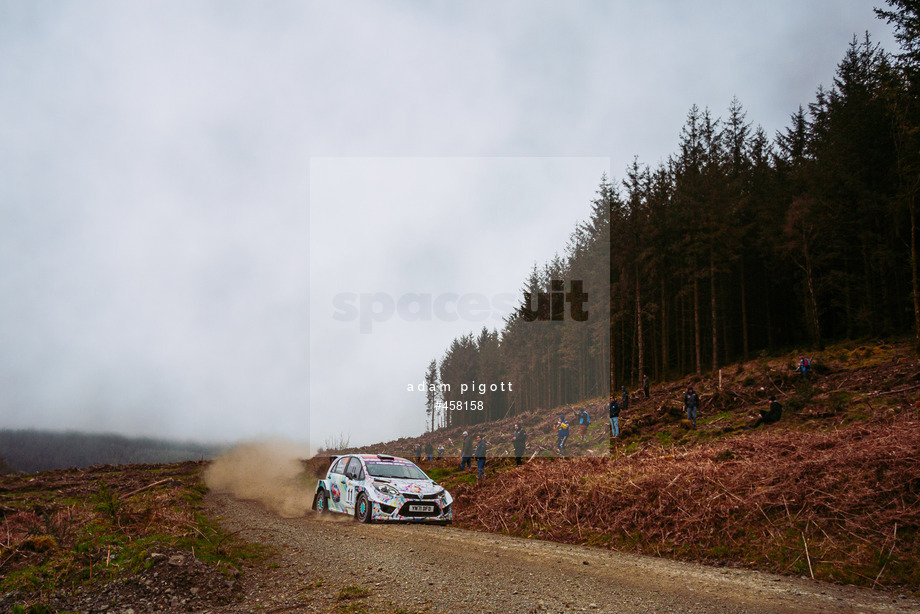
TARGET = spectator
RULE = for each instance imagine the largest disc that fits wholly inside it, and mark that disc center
(562, 432)
(520, 443)
(625, 402)
(466, 451)
(691, 404)
(804, 367)
(429, 451)
(614, 417)
(418, 452)
(583, 421)
(441, 451)
(645, 384)
(771, 415)
(480, 458)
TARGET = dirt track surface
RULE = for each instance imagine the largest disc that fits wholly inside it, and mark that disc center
(409, 568)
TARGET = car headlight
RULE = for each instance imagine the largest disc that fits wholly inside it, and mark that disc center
(386, 489)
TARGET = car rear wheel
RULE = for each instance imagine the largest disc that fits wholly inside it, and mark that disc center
(320, 502)
(363, 509)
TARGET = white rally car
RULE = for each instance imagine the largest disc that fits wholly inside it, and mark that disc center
(378, 487)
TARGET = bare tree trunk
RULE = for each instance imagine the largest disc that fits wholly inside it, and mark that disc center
(682, 336)
(664, 334)
(848, 297)
(769, 327)
(624, 358)
(639, 328)
(712, 306)
(633, 349)
(696, 324)
(744, 322)
(867, 289)
(727, 353)
(613, 359)
(809, 278)
(611, 303)
(913, 271)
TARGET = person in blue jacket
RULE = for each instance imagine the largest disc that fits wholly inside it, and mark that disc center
(562, 431)
(583, 421)
(804, 367)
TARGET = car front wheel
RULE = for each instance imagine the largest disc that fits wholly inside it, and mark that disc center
(363, 509)
(320, 503)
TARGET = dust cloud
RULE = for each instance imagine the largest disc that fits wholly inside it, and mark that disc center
(269, 472)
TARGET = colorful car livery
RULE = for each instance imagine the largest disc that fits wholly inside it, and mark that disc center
(378, 487)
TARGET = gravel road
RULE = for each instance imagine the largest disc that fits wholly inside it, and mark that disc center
(337, 565)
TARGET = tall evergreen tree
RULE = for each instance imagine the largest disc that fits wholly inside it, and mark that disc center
(432, 393)
(903, 95)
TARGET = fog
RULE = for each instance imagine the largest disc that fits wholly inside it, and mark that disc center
(169, 174)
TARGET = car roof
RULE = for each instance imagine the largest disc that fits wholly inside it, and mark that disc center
(383, 457)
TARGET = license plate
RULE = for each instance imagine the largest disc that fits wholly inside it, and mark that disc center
(421, 508)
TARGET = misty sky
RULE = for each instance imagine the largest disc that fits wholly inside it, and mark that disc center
(175, 178)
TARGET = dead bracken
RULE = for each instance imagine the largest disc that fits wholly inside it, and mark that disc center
(85, 539)
(838, 505)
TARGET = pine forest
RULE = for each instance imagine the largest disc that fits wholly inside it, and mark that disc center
(739, 243)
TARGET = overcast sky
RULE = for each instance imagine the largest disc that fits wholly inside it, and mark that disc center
(174, 177)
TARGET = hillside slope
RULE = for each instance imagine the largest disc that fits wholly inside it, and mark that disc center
(831, 491)
(851, 382)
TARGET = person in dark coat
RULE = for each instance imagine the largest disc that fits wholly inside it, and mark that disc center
(520, 443)
(770, 415)
(614, 417)
(480, 458)
(429, 451)
(691, 404)
(418, 453)
(645, 384)
(466, 452)
(624, 403)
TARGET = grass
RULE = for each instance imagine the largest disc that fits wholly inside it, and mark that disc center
(450, 476)
(33, 609)
(94, 530)
(352, 592)
(440, 473)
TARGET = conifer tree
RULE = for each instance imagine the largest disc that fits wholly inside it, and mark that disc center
(432, 392)
(904, 101)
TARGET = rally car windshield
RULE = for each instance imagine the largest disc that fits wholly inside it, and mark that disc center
(393, 470)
